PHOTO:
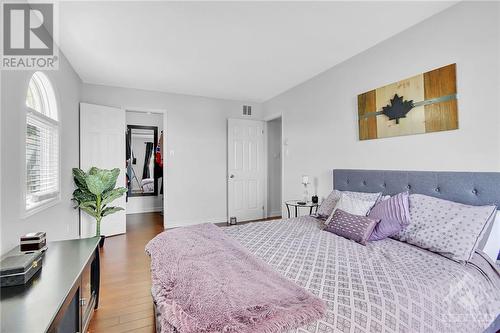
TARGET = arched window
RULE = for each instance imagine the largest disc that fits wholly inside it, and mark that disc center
(42, 144)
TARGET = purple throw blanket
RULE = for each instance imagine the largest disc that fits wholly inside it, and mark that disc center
(204, 281)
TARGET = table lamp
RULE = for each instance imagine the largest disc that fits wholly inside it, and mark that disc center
(305, 182)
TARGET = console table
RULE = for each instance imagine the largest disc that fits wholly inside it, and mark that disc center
(61, 297)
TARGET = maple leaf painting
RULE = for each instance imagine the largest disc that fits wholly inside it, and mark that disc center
(398, 108)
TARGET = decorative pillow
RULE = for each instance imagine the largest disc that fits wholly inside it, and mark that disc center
(393, 213)
(383, 197)
(354, 206)
(364, 195)
(449, 228)
(355, 227)
(327, 206)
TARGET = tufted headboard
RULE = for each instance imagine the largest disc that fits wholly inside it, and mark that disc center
(472, 188)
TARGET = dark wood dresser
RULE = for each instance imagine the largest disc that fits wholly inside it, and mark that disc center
(61, 297)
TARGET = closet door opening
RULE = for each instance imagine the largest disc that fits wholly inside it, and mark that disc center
(145, 160)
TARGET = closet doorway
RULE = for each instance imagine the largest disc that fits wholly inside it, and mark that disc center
(145, 161)
(274, 167)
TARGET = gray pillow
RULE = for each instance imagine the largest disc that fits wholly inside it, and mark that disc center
(355, 227)
(449, 228)
(327, 206)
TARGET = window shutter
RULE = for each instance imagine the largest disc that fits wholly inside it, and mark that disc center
(42, 160)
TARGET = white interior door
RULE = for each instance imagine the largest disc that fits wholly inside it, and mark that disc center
(246, 173)
(102, 144)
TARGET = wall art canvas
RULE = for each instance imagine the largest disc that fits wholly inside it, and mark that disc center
(420, 104)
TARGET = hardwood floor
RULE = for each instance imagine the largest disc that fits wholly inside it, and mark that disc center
(125, 303)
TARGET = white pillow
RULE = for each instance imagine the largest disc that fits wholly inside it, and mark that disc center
(327, 206)
(352, 206)
(492, 240)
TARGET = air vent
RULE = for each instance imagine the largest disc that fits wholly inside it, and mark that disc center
(247, 110)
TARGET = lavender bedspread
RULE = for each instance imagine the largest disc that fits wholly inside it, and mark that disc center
(204, 281)
(386, 286)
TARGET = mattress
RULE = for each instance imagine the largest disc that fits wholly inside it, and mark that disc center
(386, 286)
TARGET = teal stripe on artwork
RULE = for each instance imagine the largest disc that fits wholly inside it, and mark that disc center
(417, 104)
(436, 100)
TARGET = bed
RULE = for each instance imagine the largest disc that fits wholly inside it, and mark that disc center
(386, 286)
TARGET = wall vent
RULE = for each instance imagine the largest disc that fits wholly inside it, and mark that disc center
(247, 110)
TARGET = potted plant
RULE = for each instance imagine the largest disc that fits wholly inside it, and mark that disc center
(95, 191)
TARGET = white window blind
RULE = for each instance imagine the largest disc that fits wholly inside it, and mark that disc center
(42, 143)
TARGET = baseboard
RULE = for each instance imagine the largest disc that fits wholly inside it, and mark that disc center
(275, 213)
(185, 223)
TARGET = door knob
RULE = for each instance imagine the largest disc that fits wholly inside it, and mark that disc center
(232, 176)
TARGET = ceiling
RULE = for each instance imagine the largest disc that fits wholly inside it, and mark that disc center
(249, 51)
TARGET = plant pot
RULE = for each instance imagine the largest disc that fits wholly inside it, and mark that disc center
(101, 241)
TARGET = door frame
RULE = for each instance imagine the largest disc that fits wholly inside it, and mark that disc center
(166, 144)
(266, 119)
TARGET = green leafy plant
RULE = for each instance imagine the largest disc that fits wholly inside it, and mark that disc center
(95, 191)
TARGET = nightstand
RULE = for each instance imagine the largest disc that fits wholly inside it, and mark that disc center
(296, 205)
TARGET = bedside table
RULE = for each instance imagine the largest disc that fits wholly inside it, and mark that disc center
(296, 205)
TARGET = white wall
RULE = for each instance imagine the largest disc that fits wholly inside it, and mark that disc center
(59, 221)
(274, 202)
(319, 121)
(148, 203)
(320, 128)
(195, 152)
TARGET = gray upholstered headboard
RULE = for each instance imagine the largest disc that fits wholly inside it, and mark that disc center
(472, 188)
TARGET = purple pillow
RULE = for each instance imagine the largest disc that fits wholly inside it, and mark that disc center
(394, 215)
(355, 227)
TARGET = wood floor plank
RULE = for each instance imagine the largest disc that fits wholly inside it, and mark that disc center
(135, 316)
(126, 327)
(110, 312)
(147, 329)
(101, 324)
(124, 303)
